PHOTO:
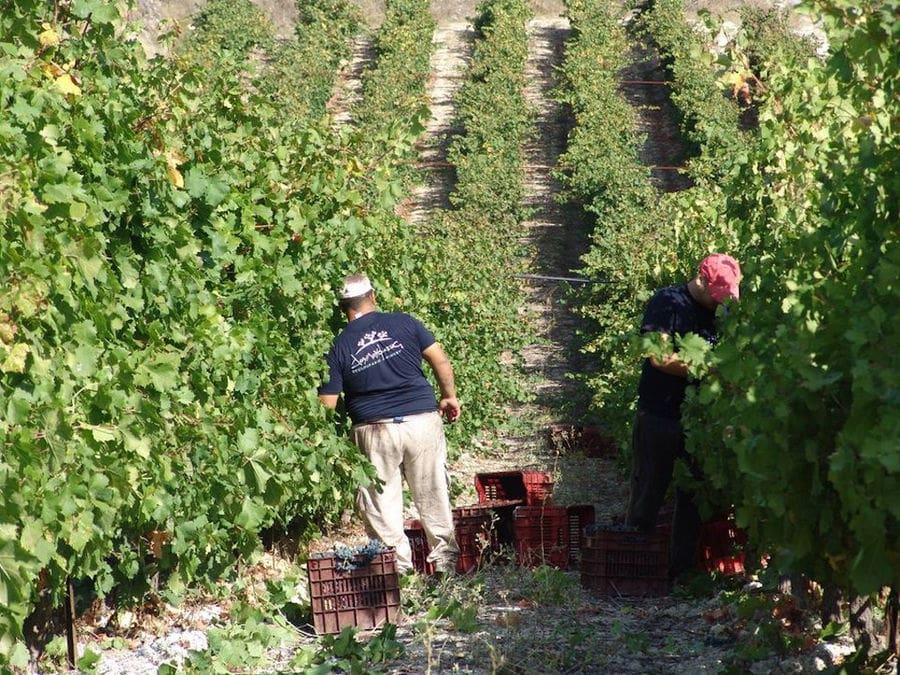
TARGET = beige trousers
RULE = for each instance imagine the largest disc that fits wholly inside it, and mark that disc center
(415, 448)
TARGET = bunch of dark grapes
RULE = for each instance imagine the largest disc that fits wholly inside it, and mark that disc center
(343, 558)
(371, 550)
(348, 559)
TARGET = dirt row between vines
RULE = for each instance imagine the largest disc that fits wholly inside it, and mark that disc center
(514, 634)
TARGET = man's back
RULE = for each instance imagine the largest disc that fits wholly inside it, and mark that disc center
(377, 362)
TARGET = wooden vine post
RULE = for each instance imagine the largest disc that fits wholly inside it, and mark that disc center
(70, 622)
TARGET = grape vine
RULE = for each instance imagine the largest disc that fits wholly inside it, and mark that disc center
(807, 201)
(173, 230)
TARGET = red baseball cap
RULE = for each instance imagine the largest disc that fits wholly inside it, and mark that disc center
(723, 276)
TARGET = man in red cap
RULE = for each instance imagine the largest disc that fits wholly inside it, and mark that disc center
(658, 438)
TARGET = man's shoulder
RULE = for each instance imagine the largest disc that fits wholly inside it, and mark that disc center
(398, 317)
(670, 295)
(664, 307)
(675, 290)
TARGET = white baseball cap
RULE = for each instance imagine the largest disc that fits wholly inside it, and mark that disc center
(355, 285)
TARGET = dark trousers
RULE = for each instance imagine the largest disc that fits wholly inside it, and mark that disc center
(656, 443)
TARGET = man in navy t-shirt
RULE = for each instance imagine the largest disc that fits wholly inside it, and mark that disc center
(658, 438)
(376, 362)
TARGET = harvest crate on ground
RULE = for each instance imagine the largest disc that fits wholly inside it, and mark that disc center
(529, 487)
(365, 597)
(418, 543)
(542, 535)
(719, 548)
(504, 532)
(580, 516)
(617, 562)
(474, 534)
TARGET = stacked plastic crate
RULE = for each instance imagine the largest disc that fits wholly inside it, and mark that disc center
(541, 532)
(530, 522)
(475, 534)
(514, 509)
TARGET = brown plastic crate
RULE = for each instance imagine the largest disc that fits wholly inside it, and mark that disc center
(542, 535)
(580, 516)
(474, 534)
(418, 544)
(626, 563)
(365, 597)
(530, 488)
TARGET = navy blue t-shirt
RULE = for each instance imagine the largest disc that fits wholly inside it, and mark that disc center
(673, 311)
(377, 363)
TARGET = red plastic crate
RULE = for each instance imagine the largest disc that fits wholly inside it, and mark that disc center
(504, 531)
(542, 535)
(530, 488)
(474, 534)
(580, 516)
(418, 543)
(719, 547)
(365, 597)
(728, 565)
(626, 563)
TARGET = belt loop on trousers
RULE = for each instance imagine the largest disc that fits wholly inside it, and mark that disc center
(392, 420)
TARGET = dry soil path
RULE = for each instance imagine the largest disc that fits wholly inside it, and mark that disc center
(584, 634)
(348, 85)
(587, 634)
(451, 55)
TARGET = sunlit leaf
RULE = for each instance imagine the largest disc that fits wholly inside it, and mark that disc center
(48, 37)
(15, 358)
(66, 84)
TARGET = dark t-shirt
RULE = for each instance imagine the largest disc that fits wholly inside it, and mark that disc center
(377, 363)
(673, 311)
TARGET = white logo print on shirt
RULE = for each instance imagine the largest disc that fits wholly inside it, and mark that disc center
(374, 348)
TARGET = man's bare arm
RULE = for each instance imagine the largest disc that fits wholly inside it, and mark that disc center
(671, 364)
(443, 373)
(329, 400)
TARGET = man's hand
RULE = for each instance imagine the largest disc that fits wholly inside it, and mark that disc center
(659, 351)
(449, 408)
(329, 400)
